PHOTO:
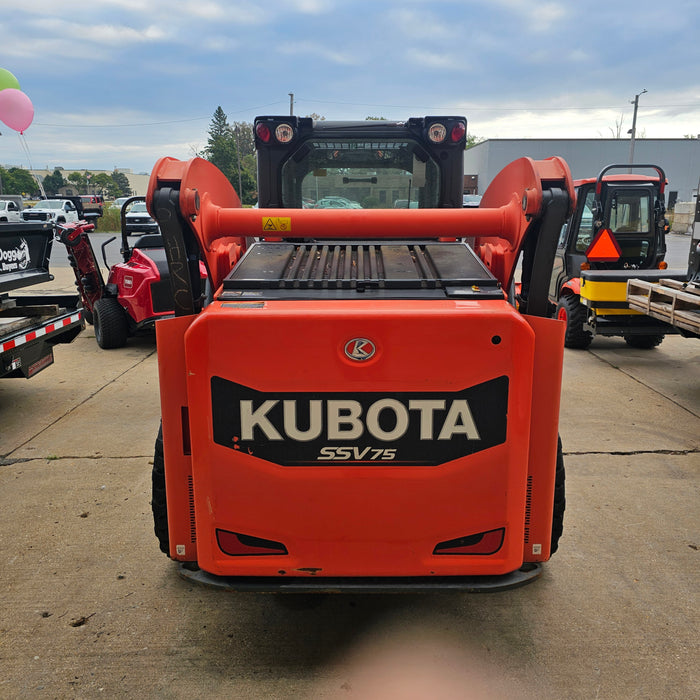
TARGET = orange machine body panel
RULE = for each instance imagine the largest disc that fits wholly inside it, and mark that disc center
(384, 511)
(359, 399)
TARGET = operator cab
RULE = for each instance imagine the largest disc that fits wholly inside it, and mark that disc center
(630, 209)
(360, 165)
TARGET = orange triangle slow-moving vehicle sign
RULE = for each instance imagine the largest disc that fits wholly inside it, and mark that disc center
(604, 247)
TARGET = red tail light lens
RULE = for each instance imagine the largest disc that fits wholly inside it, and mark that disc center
(458, 132)
(236, 545)
(263, 132)
(483, 543)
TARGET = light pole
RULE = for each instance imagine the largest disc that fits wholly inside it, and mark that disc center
(291, 104)
(633, 130)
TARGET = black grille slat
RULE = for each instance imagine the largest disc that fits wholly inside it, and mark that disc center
(362, 266)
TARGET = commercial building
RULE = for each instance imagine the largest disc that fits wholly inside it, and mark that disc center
(679, 158)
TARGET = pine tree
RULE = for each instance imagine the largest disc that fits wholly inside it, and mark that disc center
(221, 145)
(222, 151)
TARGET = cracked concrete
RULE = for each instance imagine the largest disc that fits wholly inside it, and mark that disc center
(91, 606)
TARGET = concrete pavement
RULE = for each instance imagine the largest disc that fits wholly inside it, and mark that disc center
(91, 607)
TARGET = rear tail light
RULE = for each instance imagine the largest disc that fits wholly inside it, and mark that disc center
(458, 132)
(483, 543)
(263, 132)
(236, 544)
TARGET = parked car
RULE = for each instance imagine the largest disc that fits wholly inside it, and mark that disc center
(92, 202)
(10, 210)
(57, 210)
(471, 200)
(334, 202)
(118, 202)
(138, 220)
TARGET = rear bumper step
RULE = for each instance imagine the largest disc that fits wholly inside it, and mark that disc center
(419, 584)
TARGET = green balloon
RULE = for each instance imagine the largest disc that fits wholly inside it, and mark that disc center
(7, 80)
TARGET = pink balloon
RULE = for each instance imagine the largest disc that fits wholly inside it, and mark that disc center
(16, 109)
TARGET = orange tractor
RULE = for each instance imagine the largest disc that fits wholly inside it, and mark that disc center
(358, 404)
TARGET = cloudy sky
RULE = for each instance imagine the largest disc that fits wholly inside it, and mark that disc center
(120, 83)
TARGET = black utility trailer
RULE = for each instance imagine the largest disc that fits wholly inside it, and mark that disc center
(31, 324)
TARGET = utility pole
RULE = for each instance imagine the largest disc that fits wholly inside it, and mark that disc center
(633, 130)
(291, 104)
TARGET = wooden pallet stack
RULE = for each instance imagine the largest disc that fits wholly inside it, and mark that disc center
(677, 303)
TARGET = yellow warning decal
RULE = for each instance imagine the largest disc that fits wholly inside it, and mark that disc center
(277, 223)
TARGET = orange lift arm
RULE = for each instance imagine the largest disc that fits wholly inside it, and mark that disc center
(200, 215)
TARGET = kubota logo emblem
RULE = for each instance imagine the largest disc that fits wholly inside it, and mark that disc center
(360, 349)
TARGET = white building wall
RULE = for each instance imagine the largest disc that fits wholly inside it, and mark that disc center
(679, 158)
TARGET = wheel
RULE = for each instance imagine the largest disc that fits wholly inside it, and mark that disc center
(559, 499)
(644, 342)
(87, 315)
(111, 327)
(570, 310)
(159, 505)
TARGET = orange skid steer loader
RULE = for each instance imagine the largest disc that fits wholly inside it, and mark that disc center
(358, 404)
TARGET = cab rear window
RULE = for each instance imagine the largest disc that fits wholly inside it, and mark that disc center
(356, 174)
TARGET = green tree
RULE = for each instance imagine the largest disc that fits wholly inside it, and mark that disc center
(221, 145)
(18, 181)
(222, 150)
(121, 186)
(375, 119)
(52, 183)
(79, 180)
(472, 140)
(102, 183)
(245, 142)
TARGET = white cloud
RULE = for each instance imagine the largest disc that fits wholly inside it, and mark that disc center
(538, 17)
(419, 24)
(314, 49)
(432, 59)
(55, 40)
(312, 7)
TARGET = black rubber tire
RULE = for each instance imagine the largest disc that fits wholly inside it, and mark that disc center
(159, 505)
(87, 315)
(110, 323)
(571, 310)
(559, 499)
(644, 342)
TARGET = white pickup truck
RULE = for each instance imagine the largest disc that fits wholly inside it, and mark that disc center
(58, 211)
(10, 210)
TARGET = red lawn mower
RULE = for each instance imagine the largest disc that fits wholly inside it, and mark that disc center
(138, 290)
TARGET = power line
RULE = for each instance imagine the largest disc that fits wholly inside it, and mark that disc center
(363, 104)
(487, 109)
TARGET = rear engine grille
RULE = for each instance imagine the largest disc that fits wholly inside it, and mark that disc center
(360, 267)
